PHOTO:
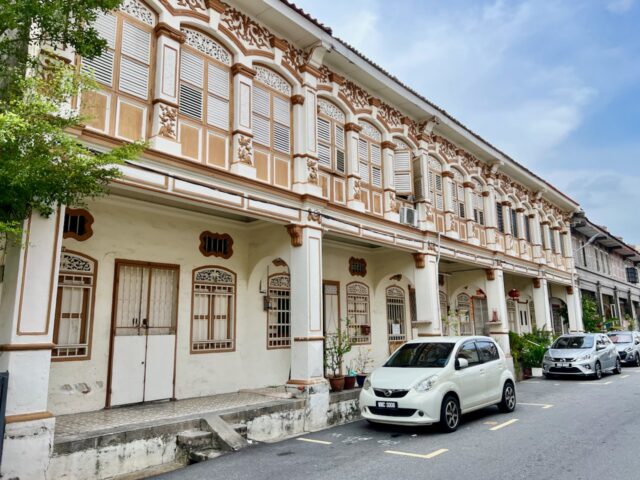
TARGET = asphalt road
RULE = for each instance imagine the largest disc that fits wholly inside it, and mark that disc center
(561, 429)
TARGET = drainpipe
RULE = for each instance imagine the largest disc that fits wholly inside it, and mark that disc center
(438, 282)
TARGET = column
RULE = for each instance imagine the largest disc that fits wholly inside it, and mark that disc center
(468, 213)
(307, 346)
(541, 304)
(536, 237)
(545, 234)
(521, 219)
(425, 277)
(242, 161)
(391, 205)
(489, 197)
(449, 211)
(497, 308)
(574, 309)
(164, 127)
(508, 228)
(27, 309)
(426, 218)
(353, 172)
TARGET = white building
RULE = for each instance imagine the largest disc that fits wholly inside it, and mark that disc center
(290, 184)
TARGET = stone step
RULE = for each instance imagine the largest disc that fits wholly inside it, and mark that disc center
(191, 440)
(241, 429)
(203, 455)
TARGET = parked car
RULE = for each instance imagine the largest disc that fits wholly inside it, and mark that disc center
(436, 380)
(587, 354)
(628, 345)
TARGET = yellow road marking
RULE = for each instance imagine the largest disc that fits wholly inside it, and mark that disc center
(505, 424)
(311, 440)
(544, 406)
(490, 423)
(418, 455)
(624, 376)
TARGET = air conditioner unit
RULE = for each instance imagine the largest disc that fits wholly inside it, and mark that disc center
(408, 216)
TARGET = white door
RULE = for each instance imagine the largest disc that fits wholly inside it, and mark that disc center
(493, 368)
(471, 380)
(144, 338)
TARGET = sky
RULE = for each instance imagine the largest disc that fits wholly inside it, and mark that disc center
(555, 84)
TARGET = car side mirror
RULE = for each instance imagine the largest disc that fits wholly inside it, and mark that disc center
(600, 347)
(637, 341)
(461, 363)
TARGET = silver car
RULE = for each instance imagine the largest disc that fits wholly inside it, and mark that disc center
(586, 354)
(628, 345)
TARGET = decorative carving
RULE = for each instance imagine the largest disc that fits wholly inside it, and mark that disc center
(390, 115)
(245, 150)
(491, 274)
(75, 263)
(357, 288)
(446, 148)
(357, 267)
(356, 95)
(279, 262)
(314, 216)
(536, 282)
(216, 244)
(273, 80)
(395, 292)
(207, 46)
(293, 56)
(214, 275)
(138, 10)
(77, 224)
(281, 280)
(325, 75)
(394, 204)
(370, 131)
(295, 232)
(569, 290)
(246, 29)
(419, 259)
(312, 171)
(194, 5)
(396, 278)
(297, 100)
(331, 111)
(357, 189)
(168, 121)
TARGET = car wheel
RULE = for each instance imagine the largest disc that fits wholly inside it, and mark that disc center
(637, 360)
(549, 376)
(597, 371)
(508, 402)
(449, 414)
(618, 369)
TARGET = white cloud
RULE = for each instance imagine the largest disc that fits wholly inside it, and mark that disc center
(619, 6)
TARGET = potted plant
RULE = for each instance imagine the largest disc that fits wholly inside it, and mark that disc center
(532, 357)
(362, 364)
(350, 378)
(337, 345)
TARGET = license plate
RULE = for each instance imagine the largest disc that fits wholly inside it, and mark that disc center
(563, 364)
(387, 404)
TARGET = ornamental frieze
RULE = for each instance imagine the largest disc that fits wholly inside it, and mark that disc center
(325, 75)
(251, 33)
(74, 263)
(331, 111)
(214, 275)
(357, 96)
(273, 80)
(207, 46)
(137, 10)
(193, 5)
(391, 116)
(168, 120)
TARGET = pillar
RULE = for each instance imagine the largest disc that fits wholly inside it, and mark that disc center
(27, 308)
(541, 304)
(468, 213)
(536, 238)
(242, 152)
(354, 199)
(491, 222)
(391, 205)
(449, 211)
(497, 308)
(428, 315)
(574, 310)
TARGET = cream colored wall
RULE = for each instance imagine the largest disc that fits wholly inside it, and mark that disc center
(132, 230)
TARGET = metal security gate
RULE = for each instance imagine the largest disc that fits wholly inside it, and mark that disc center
(143, 333)
(4, 386)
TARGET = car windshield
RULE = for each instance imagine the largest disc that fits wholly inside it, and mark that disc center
(421, 355)
(573, 342)
(621, 338)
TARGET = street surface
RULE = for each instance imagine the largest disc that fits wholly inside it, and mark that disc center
(561, 430)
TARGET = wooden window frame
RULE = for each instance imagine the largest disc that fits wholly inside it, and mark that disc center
(90, 309)
(270, 345)
(234, 339)
(216, 236)
(403, 311)
(432, 179)
(356, 272)
(364, 338)
(89, 220)
(333, 146)
(370, 165)
(401, 147)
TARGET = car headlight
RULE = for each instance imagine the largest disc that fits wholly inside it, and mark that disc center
(547, 356)
(586, 356)
(367, 384)
(426, 384)
(628, 350)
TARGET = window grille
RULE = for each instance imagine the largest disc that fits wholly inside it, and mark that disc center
(77, 224)
(357, 266)
(216, 244)
(514, 223)
(358, 313)
(213, 317)
(500, 217)
(396, 328)
(527, 229)
(279, 315)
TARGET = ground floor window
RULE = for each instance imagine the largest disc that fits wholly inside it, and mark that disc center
(74, 307)
(358, 313)
(279, 316)
(213, 318)
(480, 316)
(396, 329)
(511, 313)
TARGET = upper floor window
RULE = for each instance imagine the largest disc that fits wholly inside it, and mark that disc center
(527, 229)
(552, 240)
(271, 111)
(436, 189)
(402, 168)
(370, 155)
(500, 216)
(514, 223)
(457, 194)
(478, 203)
(77, 224)
(331, 137)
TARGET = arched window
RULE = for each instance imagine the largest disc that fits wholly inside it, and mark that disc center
(402, 169)
(512, 315)
(436, 187)
(463, 310)
(74, 307)
(213, 321)
(444, 305)
(396, 325)
(271, 126)
(370, 166)
(457, 193)
(122, 72)
(358, 313)
(478, 202)
(204, 99)
(279, 321)
(331, 137)
(515, 227)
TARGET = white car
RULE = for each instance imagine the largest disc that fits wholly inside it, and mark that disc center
(436, 380)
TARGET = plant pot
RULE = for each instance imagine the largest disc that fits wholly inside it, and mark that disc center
(337, 383)
(349, 382)
(361, 377)
(536, 372)
(526, 372)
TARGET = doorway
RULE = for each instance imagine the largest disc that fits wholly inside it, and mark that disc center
(143, 332)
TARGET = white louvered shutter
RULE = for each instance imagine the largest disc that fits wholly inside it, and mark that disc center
(102, 66)
(281, 125)
(191, 71)
(402, 171)
(260, 117)
(435, 187)
(218, 97)
(363, 160)
(134, 64)
(376, 166)
(339, 140)
(324, 142)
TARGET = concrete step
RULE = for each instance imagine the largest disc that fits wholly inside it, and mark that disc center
(194, 440)
(241, 429)
(198, 456)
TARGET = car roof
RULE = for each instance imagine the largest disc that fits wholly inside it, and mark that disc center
(621, 331)
(449, 339)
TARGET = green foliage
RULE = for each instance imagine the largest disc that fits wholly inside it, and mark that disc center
(337, 345)
(591, 320)
(41, 164)
(528, 349)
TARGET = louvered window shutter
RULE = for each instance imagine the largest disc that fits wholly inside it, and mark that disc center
(438, 192)
(134, 63)
(102, 66)
(363, 160)
(260, 118)
(218, 97)
(191, 71)
(402, 172)
(340, 155)
(281, 125)
(324, 142)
